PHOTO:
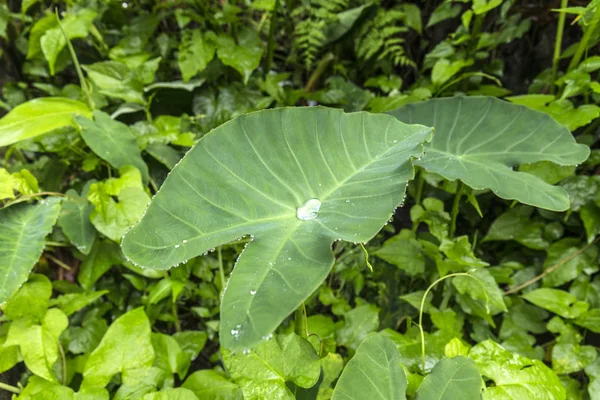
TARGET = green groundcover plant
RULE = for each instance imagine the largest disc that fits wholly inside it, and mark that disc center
(312, 199)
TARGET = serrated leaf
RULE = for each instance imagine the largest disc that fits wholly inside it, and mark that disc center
(480, 139)
(452, 378)
(301, 179)
(24, 228)
(39, 116)
(373, 373)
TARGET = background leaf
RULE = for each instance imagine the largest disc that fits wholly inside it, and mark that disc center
(452, 378)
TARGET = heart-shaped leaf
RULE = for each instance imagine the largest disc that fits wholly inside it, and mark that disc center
(296, 179)
(480, 139)
(374, 372)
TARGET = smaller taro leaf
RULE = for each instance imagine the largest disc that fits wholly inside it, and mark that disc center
(112, 141)
(24, 228)
(301, 179)
(373, 373)
(480, 139)
(557, 301)
(74, 220)
(456, 378)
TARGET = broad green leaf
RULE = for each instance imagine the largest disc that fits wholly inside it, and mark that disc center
(480, 139)
(9, 356)
(358, 323)
(589, 320)
(557, 301)
(244, 56)
(373, 373)
(172, 394)
(39, 116)
(74, 26)
(263, 372)
(196, 50)
(568, 358)
(452, 378)
(24, 228)
(191, 342)
(103, 256)
(74, 220)
(517, 224)
(113, 218)
(515, 376)
(404, 251)
(31, 300)
(41, 389)
(210, 385)
(126, 348)
(444, 69)
(484, 289)
(7, 185)
(483, 6)
(169, 355)
(85, 338)
(301, 179)
(71, 302)
(567, 249)
(115, 79)
(112, 141)
(562, 111)
(39, 341)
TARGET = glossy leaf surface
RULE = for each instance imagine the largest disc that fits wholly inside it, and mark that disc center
(297, 179)
(37, 117)
(480, 139)
(452, 378)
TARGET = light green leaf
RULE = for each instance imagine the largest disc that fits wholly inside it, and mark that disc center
(74, 220)
(113, 218)
(444, 69)
(485, 290)
(210, 385)
(31, 300)
(115, 79)
(172, 394)
(169, 355)
(196, 50)
(39, 116)
(9, 356)
(517, 224)
(299, 176)
(515, 376)
(452, 378)
(483, 6)
(191, 342)
(589, 320)
(480, 139)
(263, 372)
(24, 228)
(568, 358)
(39, 342)
(112, 141)
(443, 12)
(126, 348)
(557, 301)
(373, 373)
(74, 26)
(41, 389)
(244, 56)
(7, 185)
(71, 302)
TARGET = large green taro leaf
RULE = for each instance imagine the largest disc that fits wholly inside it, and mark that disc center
(479, 140)
(23, 228)
(296, 179)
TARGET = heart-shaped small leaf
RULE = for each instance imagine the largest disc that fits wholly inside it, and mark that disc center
(480, 139)
(297, 179)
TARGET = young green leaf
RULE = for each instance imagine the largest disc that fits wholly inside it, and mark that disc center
(196, 50)
(557, 301)
(373, 373)
(126, 348)
(480, 139)
(24, 228)
(244, 56)
(209, 384)
(74, 220)
(301, 179)
(39, 116)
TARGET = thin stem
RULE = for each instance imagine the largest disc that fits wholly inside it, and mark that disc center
(176, 315)
(301, 321)
(221, 271)
(82, 81)
(271, 43)
(455, 206)
(558, 42)
(423, 307)
(59, 262)
(10, 388)
(583, 44)
(316, 75)
(366, 257)
(550, 270)
(63, 363)
(31, 196)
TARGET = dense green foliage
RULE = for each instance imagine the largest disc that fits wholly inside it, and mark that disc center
(483, 285)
